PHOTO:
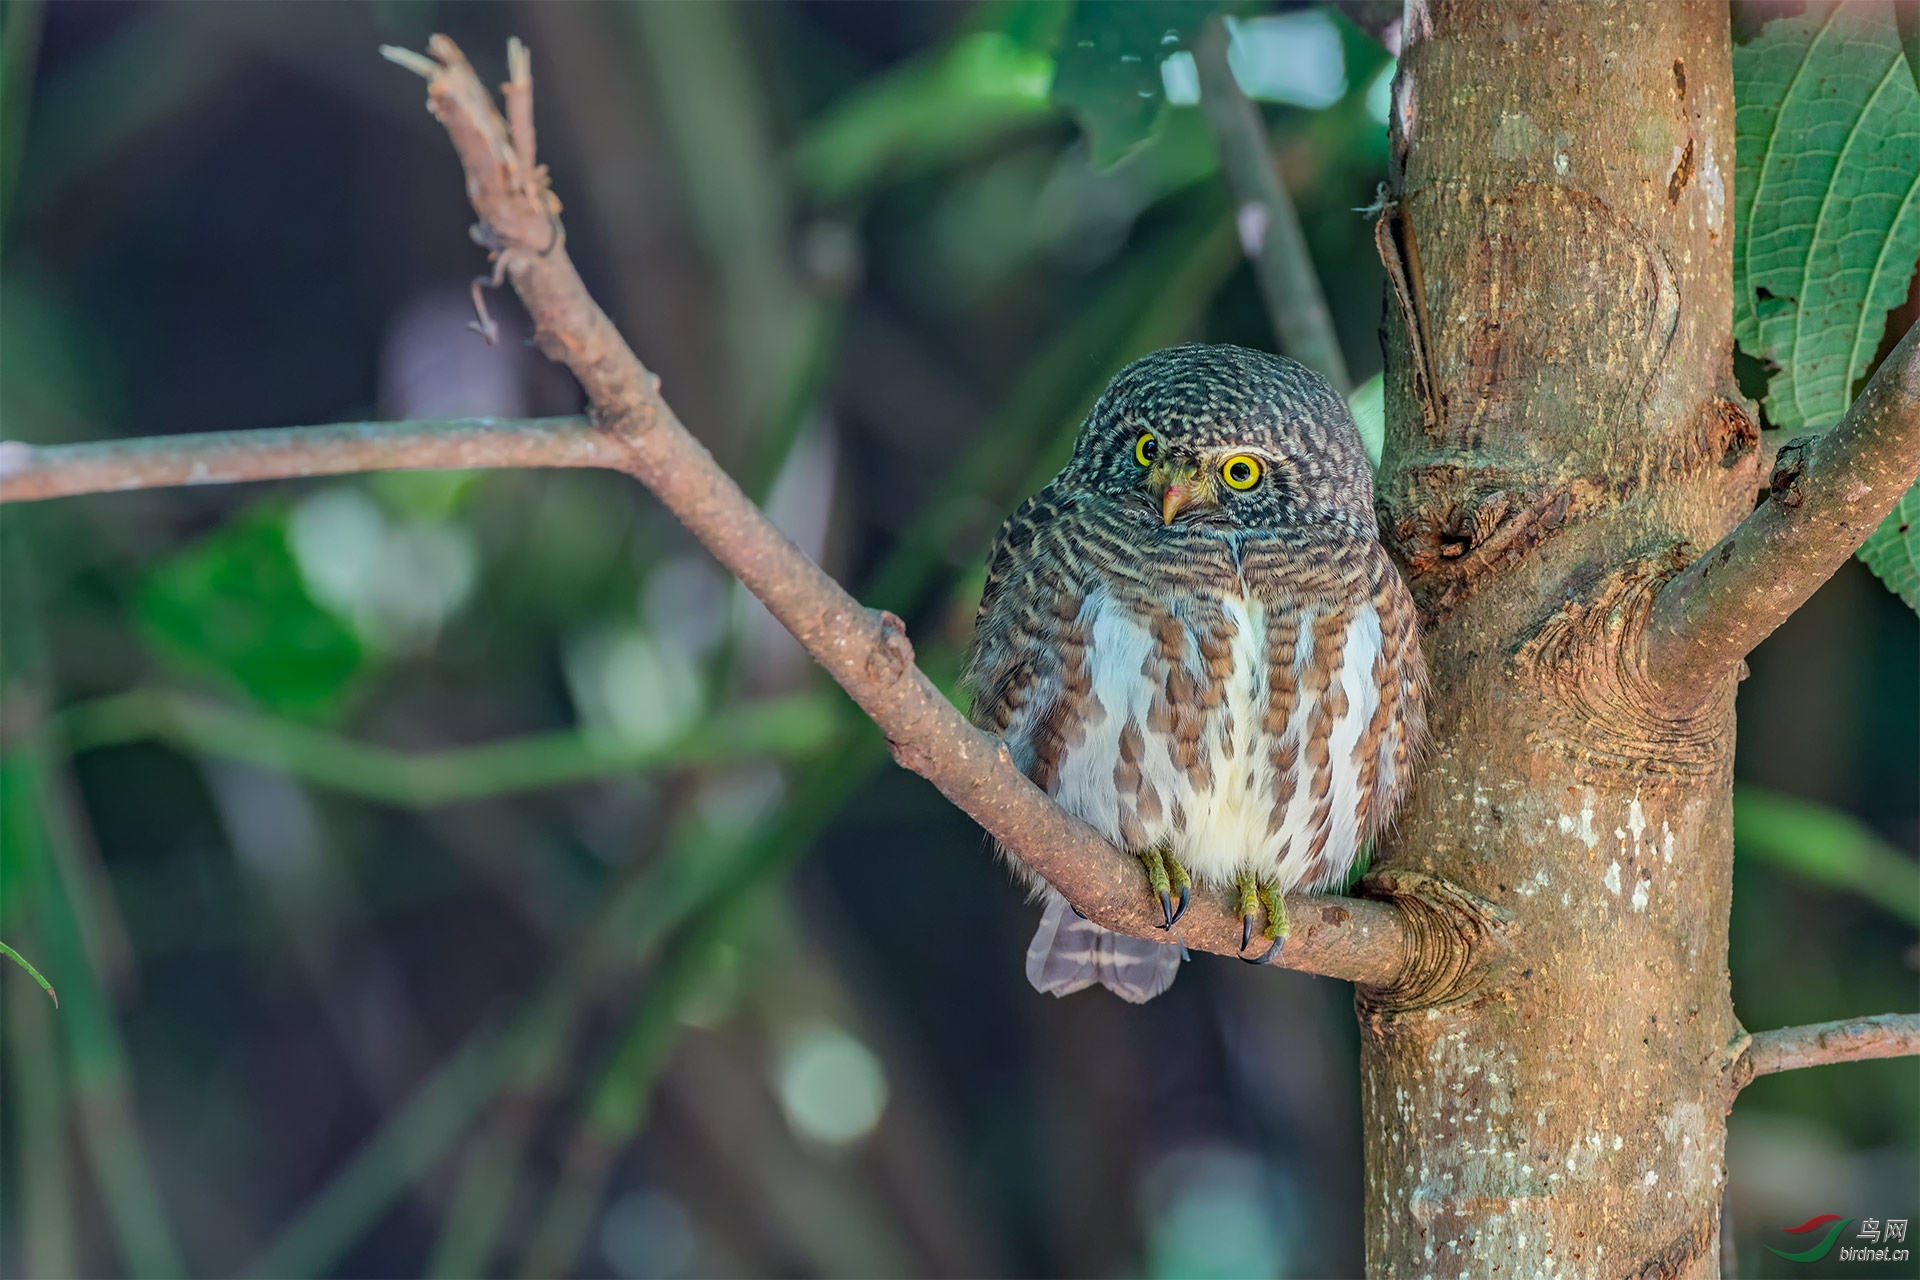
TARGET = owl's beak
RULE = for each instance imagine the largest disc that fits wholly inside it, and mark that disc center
(1170, 503)
(1180, 487)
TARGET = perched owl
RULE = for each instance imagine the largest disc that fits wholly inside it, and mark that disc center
(1193, 640)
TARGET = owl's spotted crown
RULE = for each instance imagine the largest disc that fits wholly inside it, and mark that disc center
(1203, 405)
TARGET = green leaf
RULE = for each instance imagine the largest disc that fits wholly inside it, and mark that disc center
(234, 608)
(35, 973)
(925, 113)
(1827, 200)
(1825, 846)
(1893, 552)
(1107, 68)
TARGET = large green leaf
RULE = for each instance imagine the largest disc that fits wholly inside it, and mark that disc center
(1827, 200)
(235, 608)
(1107, 68)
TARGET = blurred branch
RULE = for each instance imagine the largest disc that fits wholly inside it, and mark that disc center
(1827, 496)
(618, 1099)
(492, 1066)
(29, 473)
(1887, 1035)
(1826, 846)
(403, 1151)
(787, 726)
(19, 50)
(1378, 18)
(1269, 226)
(515, 1069)
(38, 831)
(36, 1080)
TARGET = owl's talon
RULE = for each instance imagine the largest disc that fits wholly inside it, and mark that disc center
(1248, 900)
(1267, 956)
(1165, 878)
(1182, 885)
(1276, 904)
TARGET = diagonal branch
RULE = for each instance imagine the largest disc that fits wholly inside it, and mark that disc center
(1887, 1035)
(1828, 494)
(1269, 227)
(635, 431)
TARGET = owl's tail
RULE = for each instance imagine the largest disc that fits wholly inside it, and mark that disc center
(1068, 954)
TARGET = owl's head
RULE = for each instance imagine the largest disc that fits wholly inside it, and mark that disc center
(1224, 436)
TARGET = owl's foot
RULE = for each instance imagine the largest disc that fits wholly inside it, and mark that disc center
(1167, 878)
(1256, 892)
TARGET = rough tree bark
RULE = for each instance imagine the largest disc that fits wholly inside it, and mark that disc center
(1564, 434)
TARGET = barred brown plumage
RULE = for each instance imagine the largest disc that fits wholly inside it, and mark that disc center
(1221, 677)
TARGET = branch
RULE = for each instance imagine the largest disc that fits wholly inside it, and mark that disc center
(794, 726)
(1887, 1035)
(1828, 494)
(1269, 228)
(29, 472)
(635, 431)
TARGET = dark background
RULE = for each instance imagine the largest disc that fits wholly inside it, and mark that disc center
(864, 267)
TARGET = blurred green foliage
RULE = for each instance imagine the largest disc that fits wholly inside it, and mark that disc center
(1826, 847)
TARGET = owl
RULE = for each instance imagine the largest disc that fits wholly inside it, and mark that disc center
(1193, 641)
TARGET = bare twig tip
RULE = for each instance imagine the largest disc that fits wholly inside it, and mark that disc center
(15, 457)
(418, 63)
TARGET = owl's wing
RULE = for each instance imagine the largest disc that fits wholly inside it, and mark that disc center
(1011, 651)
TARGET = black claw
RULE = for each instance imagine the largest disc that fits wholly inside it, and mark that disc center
(1185, 955)
(1267, 956)
(1186, 895)
(1077, 911)
(1246, 931)
(1166, 909)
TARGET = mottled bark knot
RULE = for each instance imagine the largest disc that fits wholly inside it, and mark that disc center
(1680, 1258)
(1785, 486)
(1729, 432)
(1736, 1064)
(1475, 527)
(1599, 706)
(1451, 941)
(892, 654)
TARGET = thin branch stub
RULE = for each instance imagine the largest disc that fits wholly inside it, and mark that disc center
(1886, 1035)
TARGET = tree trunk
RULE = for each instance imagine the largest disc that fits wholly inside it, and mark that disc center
(1564, 433)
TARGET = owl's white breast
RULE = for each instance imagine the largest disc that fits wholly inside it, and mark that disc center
(1230, 822)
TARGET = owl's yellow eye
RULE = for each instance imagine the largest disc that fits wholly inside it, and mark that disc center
(1146, 449)
(1240, 472)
